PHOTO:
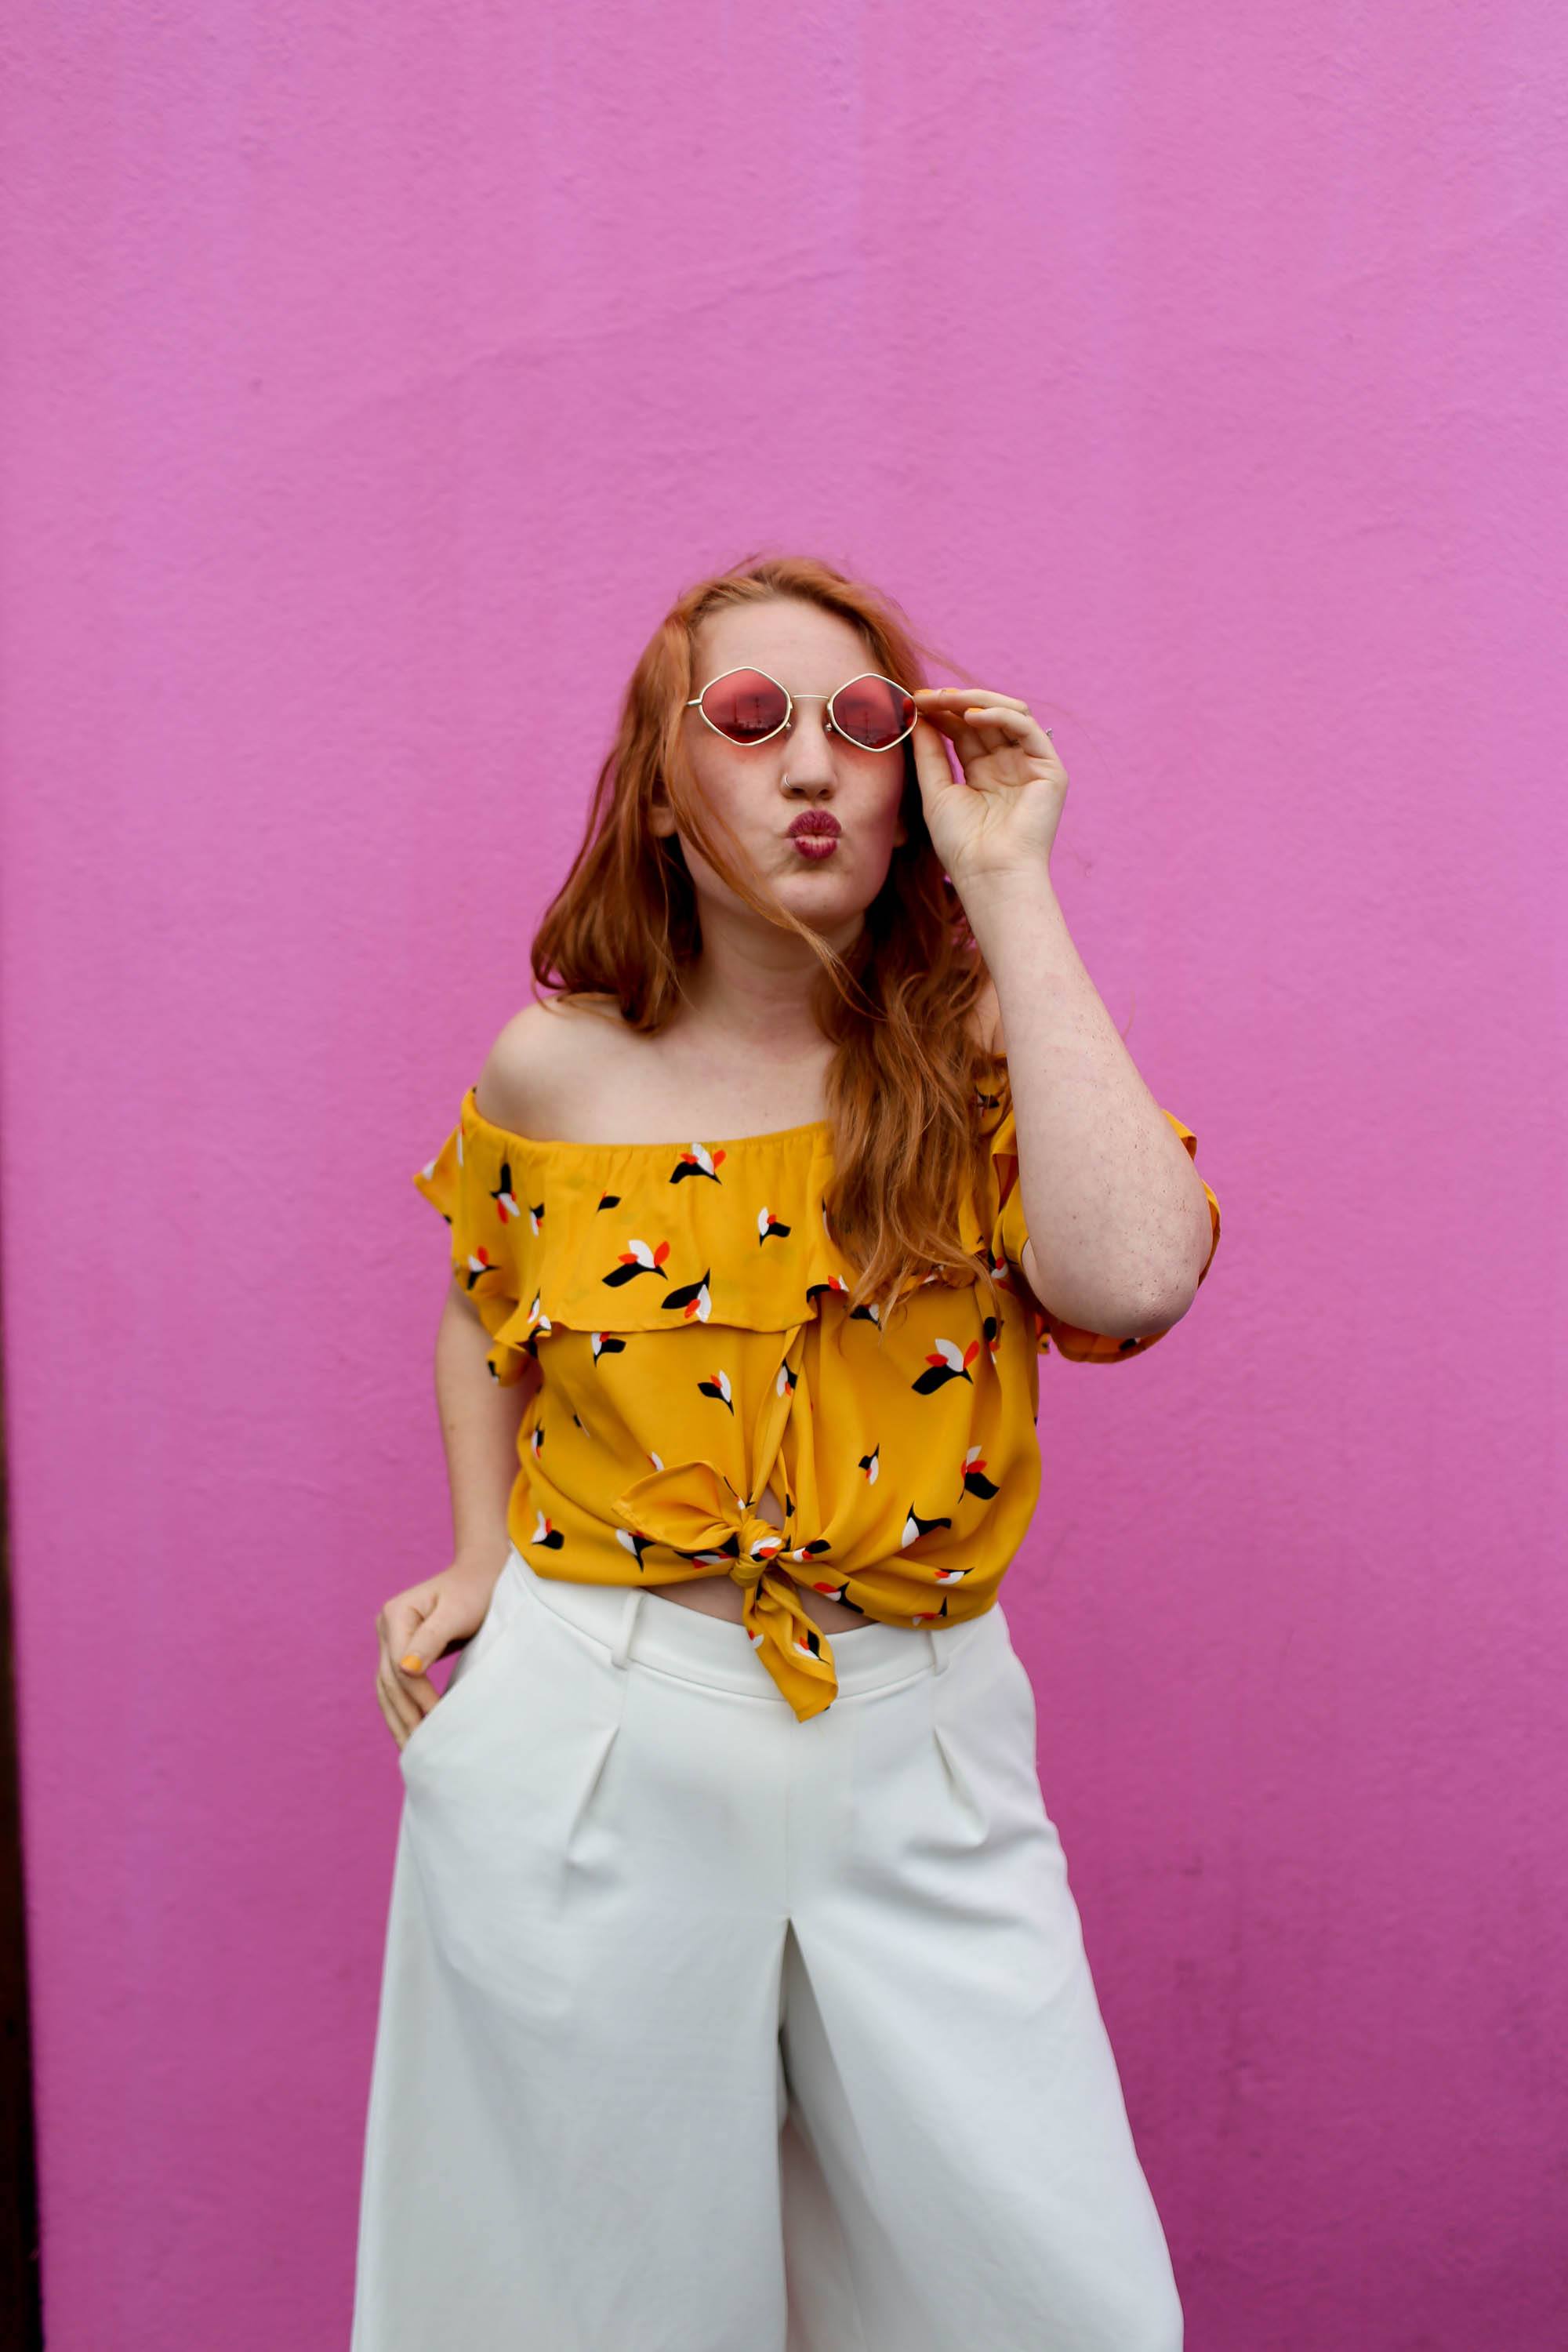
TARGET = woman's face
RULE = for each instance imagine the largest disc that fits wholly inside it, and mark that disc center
(808, 767)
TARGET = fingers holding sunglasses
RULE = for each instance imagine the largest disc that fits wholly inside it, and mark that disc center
(967, 712)
(997, 714)
(953, 711)
(953, 697)
(996, 738)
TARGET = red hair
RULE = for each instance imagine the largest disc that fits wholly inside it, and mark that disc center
(905, 1083)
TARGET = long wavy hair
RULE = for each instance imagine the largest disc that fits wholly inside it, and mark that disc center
(906, 1079)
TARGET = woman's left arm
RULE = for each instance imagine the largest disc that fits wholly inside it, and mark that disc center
(1118, 1218)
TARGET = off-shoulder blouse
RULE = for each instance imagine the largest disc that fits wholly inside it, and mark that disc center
(687, 1309)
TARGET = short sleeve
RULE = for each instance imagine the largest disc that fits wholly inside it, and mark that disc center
(1009, 1233)
(469, 1183)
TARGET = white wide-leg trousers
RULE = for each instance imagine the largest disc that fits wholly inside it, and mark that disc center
(703, 2030)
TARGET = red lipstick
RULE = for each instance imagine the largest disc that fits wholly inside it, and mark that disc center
(814, 833)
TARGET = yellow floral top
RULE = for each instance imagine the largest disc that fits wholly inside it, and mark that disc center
(688, 1308)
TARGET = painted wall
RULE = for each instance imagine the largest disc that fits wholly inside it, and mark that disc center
(374, 379)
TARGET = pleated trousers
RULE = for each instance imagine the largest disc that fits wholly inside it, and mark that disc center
(705, 2030)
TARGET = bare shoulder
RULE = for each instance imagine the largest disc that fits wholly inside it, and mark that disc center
(541, 1059)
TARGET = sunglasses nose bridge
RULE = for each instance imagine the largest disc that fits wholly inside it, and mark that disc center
(799, 705)
(787, 727)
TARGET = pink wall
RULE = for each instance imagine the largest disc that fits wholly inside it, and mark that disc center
(373, 380)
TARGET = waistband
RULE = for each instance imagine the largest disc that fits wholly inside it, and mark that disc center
(634, 1622)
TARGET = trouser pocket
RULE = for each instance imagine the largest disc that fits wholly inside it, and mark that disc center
(508, 1601)
(982, 1726)
(498, 1810)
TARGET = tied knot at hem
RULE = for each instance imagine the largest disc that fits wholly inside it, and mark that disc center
(760, 1545)
(693, 1508)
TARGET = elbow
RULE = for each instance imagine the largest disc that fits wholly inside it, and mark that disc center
(1167, 1305)
(1114, 1316)
(1147, 1320)
(1162, 1317)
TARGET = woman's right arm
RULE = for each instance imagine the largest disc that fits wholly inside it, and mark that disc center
(480, 1422)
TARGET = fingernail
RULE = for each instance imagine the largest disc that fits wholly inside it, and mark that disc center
(411, 1664)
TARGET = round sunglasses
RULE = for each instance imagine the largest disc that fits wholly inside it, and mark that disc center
(747, 705)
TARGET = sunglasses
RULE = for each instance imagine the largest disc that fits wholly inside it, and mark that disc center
(747, 705)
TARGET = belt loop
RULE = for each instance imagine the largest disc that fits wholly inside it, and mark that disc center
(621, 1646)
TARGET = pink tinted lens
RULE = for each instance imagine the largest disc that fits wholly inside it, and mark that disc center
(873, 712)
(745, 706)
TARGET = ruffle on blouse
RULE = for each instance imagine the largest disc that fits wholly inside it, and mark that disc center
(480, 1209)
(640, 1237)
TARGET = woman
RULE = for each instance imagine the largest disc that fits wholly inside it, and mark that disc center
(735, 1996)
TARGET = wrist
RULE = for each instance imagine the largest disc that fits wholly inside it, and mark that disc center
(481, 1560)
(1003, 901)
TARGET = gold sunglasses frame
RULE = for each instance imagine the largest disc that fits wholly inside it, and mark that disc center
(791, 699)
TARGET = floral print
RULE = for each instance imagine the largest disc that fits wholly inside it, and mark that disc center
(688, 1308)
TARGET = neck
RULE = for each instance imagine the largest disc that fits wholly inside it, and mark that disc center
(750, 988)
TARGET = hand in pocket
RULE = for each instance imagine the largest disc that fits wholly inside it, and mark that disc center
(419, 1625)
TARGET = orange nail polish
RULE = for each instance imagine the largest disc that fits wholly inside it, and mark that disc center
(411, 1664)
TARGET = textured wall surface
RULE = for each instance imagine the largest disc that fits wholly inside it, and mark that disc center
(372, 381)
